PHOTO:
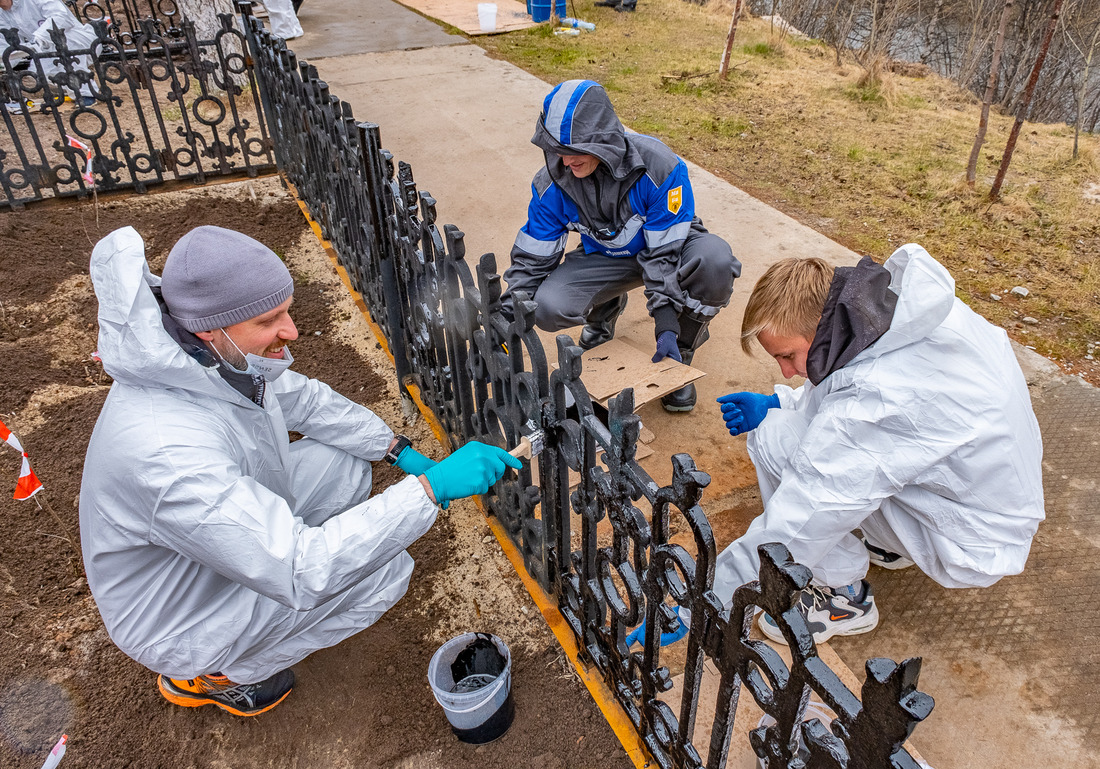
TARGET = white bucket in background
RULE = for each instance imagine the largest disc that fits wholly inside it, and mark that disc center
(480, 715)
(487, 16)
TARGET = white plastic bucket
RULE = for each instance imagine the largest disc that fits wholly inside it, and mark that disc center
(487, 16)
(480, 715)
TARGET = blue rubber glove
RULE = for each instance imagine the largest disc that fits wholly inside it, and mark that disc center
(666, 347)
(470, 470)
(745, 411)
(637, 635)
(413, 462)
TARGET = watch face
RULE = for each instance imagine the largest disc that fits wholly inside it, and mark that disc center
(402, 443)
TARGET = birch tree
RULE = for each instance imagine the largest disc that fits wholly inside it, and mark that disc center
(987, 100)
(204, 15)
(1087, 52)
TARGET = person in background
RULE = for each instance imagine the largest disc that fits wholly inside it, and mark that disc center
(622, 6)
(915, 428)
(283, 15)
(218, 552)
(33, 20)
(630, 199)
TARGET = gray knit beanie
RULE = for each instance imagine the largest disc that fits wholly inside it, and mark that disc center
(216, 277)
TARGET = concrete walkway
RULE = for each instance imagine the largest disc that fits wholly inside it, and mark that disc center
(1013, 668)
(363, 26)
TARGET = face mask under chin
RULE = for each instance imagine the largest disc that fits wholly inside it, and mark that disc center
(255, 365)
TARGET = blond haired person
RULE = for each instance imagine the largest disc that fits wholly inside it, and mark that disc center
(915, 426)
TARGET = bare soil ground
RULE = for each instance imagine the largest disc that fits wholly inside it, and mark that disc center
(365, 703)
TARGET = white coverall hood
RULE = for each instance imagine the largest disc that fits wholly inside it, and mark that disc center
(926, 438)
(211, 543)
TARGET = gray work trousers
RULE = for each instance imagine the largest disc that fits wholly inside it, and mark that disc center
(583, 281)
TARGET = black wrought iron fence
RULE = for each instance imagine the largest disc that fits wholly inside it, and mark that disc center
(113, 116)
(124, 17)
(603, 549)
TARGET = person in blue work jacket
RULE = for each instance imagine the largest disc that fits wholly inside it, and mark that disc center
(630, 199)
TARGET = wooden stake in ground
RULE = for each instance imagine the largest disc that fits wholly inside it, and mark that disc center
(995, 193)
(723, 69)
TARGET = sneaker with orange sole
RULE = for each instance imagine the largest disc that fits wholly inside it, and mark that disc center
(238, 699)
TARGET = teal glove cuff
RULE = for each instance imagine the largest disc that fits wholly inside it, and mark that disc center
(413, 462)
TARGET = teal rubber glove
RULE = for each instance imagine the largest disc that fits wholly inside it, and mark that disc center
(745, 411)
(470, 470)
(413, 462)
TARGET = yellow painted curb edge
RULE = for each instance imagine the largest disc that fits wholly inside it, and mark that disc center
(605, 700)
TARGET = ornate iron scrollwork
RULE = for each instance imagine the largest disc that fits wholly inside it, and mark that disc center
(153, 105)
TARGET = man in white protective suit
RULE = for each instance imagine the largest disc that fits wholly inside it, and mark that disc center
(218, 552)
(915, 427)
(34, 19)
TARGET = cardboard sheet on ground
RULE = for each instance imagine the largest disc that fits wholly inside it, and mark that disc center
(613, 366)
(610, 368)
(463, 14)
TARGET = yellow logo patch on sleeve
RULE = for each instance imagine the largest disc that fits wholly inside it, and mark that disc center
(675, 199)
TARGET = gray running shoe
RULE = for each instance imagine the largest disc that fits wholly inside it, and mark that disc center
(831, 611)
(216, 689)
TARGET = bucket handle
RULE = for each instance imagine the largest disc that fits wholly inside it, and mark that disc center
(489, 692)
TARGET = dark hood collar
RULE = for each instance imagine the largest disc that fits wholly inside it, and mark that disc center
(857, 312)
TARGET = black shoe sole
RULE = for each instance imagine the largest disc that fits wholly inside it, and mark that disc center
(677, 403)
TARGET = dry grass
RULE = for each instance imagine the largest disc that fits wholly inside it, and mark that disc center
(870, 157)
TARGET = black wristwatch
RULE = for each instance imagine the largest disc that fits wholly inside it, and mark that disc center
(403, 443)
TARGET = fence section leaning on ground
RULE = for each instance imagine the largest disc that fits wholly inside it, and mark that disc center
(487, 378)
(125, 17)
(145, 102)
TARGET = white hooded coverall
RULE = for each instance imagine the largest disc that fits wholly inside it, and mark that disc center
(35, 18)
(284, 21)
(926, 441)
(211, 543)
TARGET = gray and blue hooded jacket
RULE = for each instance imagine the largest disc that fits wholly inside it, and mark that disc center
(637, 204)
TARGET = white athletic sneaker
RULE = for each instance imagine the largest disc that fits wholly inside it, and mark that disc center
(829, 611)
(884, 558)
